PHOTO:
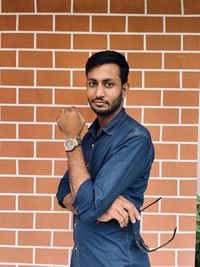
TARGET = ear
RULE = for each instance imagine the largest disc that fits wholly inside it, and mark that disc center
(125, 88)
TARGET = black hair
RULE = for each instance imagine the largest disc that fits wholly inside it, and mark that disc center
(109, 56)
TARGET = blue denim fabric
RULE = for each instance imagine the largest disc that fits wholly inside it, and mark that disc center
(119, 160)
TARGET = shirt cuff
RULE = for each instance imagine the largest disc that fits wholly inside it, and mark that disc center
(84, 198)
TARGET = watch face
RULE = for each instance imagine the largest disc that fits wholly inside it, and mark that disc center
(69, 144)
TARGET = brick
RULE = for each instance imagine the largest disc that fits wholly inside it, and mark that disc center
(188, 188)
(145, 60)
(187, 223)
(191, 7)
(177, 205)
(60, 167)
(188, 151)
(79, 79)
(71, 59)
(7, 59)
(127, 6)
(181, 98)
(153, 208)
(179, 169)
(145, 24)
(18, 6)
(35, 23)
(90, 41)
(126, 42)
(8, 95)
(16, 220)
(181, 241)
(166, 151)
(150, 239)
(191, 79)
(90, 6)
(34, 238)
(7, 202)
(52, 221)
(8, 131)
(63, 239)
(23, 255)
(8, 166)
(70, 97)
(16, 185)
(54, 41)
(143, 98)
(182, 61)
(37, 167)
(157, 258)
(35, 59)
(17, 40)
(47, 185)
(191, 42)
(53, 78)
(16, 149)
(17, 77)
(53, 6)
(7, 23)
(34, 203)
(186, 258)
(155, 132)
(162, 79)
(47, 114)
(180, 133)
(158, 222)
(17, 113)
(163, 7)
(162, 187)
(7, 237)
(183, 24)
(110, 24)
(163, 42)
(189, 116)
(35, 131)
(72, 23)
(161, 115)
(155, 171)
(135, 78)
(51, 256)
(50, 150)
(135, 113)
(35, 96)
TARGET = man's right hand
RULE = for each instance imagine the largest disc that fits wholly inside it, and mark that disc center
(121, 210)
(67, 201)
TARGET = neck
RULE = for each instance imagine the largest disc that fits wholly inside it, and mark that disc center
(105, 120)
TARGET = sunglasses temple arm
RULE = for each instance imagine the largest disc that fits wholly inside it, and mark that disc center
(166, 242)
(150, 204)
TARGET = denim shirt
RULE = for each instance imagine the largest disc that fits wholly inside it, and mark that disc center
(119, 160)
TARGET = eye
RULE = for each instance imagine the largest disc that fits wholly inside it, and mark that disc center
(108, 84)
(91, 84)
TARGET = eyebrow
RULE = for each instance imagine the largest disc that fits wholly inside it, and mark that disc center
(104, 80)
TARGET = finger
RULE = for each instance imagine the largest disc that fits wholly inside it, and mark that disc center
(124, 214)
(131, 211)
(117, 216)
(82, 119)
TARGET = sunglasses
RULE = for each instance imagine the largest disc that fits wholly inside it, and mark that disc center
(140, 242)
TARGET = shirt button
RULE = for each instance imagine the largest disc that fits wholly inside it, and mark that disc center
(75, 248)
(74, 224)
(93, 145)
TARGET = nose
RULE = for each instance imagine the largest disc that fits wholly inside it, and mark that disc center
(100, 91)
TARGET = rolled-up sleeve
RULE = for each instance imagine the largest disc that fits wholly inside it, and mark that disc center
(63, 189)
(124, 166)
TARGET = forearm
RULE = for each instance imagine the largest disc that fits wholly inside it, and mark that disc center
(78, 172)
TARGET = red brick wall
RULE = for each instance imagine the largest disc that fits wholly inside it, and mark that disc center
(44, 46)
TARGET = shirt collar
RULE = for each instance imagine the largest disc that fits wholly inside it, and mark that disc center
(111, 127)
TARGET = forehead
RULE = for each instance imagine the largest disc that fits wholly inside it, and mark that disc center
(105, 71)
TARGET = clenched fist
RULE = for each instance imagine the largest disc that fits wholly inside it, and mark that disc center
(70, 122)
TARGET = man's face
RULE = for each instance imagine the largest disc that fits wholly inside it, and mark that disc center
(104, 89)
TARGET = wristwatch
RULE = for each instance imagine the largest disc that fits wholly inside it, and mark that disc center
(71, 143)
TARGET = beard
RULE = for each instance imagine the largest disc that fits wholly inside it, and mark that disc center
(111, 109)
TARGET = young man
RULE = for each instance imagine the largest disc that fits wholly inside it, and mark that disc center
(108, 170)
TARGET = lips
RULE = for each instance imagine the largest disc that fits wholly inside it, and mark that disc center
(99, 102)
